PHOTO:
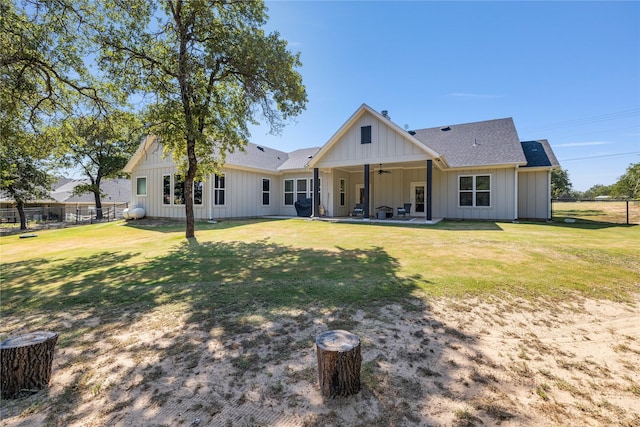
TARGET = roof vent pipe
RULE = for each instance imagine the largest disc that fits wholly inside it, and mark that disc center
(385, 113)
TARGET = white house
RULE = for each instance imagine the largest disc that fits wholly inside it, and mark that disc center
(477, 170)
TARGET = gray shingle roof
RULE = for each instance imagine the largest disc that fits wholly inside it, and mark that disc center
(539, 154)
(298, 159)
(257, 157)
(490, 142)
(117, 190)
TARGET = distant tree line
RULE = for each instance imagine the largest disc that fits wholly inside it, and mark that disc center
(627, 186)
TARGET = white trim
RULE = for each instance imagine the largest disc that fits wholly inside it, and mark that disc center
(146, 189)
(474, 191)
(223, 189)
(412, 198)
(262, 191)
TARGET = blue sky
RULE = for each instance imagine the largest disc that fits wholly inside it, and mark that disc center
(568, 72)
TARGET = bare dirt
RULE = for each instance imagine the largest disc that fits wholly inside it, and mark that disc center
(441, 363)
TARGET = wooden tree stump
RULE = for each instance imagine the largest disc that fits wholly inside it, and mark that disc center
(25, 363)
(339, 362)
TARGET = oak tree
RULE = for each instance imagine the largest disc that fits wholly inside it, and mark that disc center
(209, 69)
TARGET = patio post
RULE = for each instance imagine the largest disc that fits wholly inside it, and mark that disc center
(366, 192)
(316, 193)
(429, 192)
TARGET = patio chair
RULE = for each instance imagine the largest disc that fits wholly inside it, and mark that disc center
(358, 210)
(405, 210)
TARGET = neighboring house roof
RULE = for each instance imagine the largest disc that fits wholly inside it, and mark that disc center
(491, 142)
(539, 154)
(117, 190)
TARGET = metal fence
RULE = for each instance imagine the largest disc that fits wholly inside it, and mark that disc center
(603, 211)
(62, 214)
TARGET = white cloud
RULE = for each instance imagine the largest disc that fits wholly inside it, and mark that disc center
(582, 144)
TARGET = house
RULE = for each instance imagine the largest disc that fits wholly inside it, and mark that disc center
(479, 171)
(62, 202)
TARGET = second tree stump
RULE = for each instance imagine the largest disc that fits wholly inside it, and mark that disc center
(339, 362)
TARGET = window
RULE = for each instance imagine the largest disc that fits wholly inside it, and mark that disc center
(288, 192)
(166, 189)
(197, 192)
(177, 195)
(219, 188)
(301, 189)
(266, 191)
(365, 135)
(474, 190)
(342, 191)
(178, 190)
(141, 186)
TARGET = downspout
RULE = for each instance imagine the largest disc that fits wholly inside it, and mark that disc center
(515, 192)
(549, 196)
(429, 188)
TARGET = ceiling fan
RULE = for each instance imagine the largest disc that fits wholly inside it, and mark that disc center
(381, 171)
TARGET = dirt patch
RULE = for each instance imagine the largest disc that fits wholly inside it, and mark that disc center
(456, 363)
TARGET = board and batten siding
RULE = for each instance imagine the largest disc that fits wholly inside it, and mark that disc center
(387, 146)
(445, 199)
(534, 189)
(243, 195)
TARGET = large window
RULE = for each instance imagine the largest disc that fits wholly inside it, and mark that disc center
(178, 189)
(141, 186)
(342, 191)
(197, 192)
(288, 191)
(219, 189)
(166, 189)
(474, 190)
(177, 195)
(266, 191)
(301, 189)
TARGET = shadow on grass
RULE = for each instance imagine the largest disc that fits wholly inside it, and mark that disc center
(169, 225)
(204, 293)
(587, 224)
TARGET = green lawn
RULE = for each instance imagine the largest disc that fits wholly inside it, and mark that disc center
(235, 266)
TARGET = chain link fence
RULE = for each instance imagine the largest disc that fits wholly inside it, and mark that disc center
(43, 217)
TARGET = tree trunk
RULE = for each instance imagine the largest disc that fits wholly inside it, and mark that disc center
(25, 363)
(339, 362)
(23, 217)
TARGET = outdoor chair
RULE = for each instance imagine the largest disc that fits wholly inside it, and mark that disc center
(405, 210)
(358, 210)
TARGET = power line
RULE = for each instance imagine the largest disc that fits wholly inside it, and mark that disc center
(601, 156)
(588, 120)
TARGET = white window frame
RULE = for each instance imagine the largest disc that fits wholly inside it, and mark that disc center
(217, 188)
(292, 192)
(170, 190)
(342, 189)
(138, 186)
(263, 192)
(474, 190)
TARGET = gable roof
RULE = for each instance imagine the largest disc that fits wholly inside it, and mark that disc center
(490, 142)
(364, 108)
(539, 154)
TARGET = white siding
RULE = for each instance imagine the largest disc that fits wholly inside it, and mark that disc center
(387, 146)
(445, 200)
(533, 194)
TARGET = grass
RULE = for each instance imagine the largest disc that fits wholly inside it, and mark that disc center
(249, 285)
(244, 266)
(614, 212)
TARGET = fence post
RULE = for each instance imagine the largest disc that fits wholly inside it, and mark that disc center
(627, 211)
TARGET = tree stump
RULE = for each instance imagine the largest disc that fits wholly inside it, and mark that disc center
(339, 362)
(25, 363)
